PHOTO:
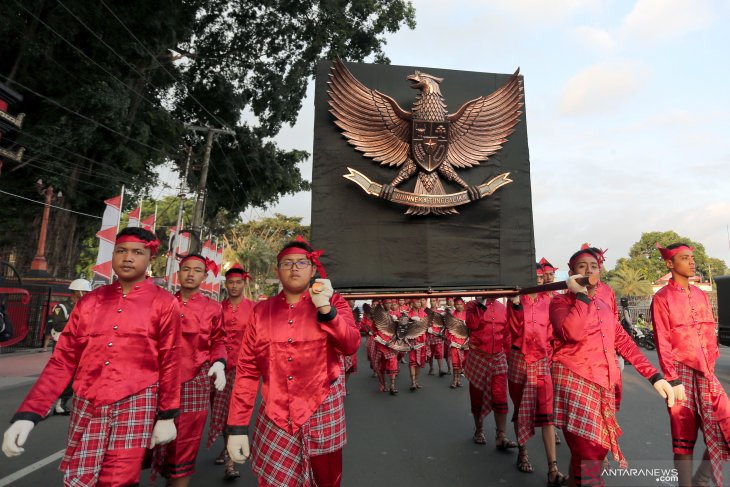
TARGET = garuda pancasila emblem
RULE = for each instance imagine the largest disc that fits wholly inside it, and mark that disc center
(401, 331)
(427, 140)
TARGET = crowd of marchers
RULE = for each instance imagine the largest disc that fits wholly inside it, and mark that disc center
(146, 369)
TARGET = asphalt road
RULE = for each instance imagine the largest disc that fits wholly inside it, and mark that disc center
(413, 439)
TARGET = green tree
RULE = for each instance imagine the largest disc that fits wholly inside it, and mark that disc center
(109, 85)
(255, 244)
(630, 282)
(644, 257)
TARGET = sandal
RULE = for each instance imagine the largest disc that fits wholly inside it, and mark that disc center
(453, 385)
(702, 478)
(231, 472)
(222, 458)
(523, 461)
(479, 437)
(503, 443)
(413, 387)
(393, 391)
(559, 478)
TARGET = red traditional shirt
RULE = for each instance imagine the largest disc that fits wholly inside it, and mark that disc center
(204, 337)
(235, 319)
(684, 328)
(114, 346)
(587, 337)
(487, 325)
(295, 350)
(530, 327)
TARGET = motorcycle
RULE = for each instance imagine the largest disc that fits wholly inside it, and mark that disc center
(649, 340)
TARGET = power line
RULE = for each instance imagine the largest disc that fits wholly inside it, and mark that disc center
(216, 119)
(85, 117)
(52, 206)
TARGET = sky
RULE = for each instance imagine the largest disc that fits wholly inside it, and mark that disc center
(626, 109)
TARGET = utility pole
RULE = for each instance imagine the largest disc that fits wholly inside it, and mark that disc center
(181, 204)
(197, 223)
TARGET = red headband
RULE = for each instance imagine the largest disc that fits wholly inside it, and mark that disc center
(313, 255)
(594, 252)
(209, 264)
(667, 254)
(153, 245)
(237, 269)
(547, 266)
(540, 271)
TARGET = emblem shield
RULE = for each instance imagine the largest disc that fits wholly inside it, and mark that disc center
(429, 143)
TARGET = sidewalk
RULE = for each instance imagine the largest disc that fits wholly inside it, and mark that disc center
(21, 367)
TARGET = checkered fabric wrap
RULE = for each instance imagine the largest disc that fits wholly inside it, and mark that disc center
(195, 393)
(349, 364)
(434, 346)
(281, 459)
(384, 354)
(219, 408)
(370, 346)
(93, 430)
(702, 392)
(194, 398)
(521, 372)
(586, 410)
(418, 357)
(479, 369)
(457, 357)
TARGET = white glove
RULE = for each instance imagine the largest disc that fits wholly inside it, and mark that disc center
(219, 370)
(325, 291)
(515, 299)
(666, 391)
(574, 286)
(163, 432)
(238, 448)
(679, 393)
(415, 318)
(15, 437)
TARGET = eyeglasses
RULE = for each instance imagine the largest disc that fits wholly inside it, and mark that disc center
(299, 264)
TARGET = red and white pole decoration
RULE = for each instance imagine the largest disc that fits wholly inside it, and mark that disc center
(109, 227)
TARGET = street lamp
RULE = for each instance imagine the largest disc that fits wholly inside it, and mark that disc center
(39, 261)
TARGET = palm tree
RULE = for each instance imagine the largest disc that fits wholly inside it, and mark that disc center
(626, 281)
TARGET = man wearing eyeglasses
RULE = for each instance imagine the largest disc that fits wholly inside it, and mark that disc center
(293, 344)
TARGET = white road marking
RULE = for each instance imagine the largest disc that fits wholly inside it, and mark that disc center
(31, 468)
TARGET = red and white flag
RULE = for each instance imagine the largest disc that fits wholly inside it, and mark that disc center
(107, 235)
(134, 217)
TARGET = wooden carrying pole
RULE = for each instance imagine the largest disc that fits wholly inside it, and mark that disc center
(492, 293)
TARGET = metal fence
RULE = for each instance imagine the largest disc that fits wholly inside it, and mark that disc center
(26, 316)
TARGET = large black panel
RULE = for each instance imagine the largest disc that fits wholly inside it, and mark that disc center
(371, 244)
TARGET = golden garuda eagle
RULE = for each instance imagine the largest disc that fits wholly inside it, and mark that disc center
(428, 141)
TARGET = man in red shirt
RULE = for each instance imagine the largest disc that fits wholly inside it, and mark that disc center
(293, 346)
(120, 347)
(587, 336)
(417, 356)
(237, 310)
(486, 367)
(684, 330)
(456, 346)
(203, 343)
(530, 382)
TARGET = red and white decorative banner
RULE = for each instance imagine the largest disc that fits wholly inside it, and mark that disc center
(134, 217)
(107, 235)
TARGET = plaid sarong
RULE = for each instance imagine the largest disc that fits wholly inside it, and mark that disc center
(370, 346)
(521, 372)
(92, 431)
(282, 459)
(384, 354)
(586, 409)
(349, 364)
(219, 408)
(194, 398)
(479, 369)
(702, 393)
